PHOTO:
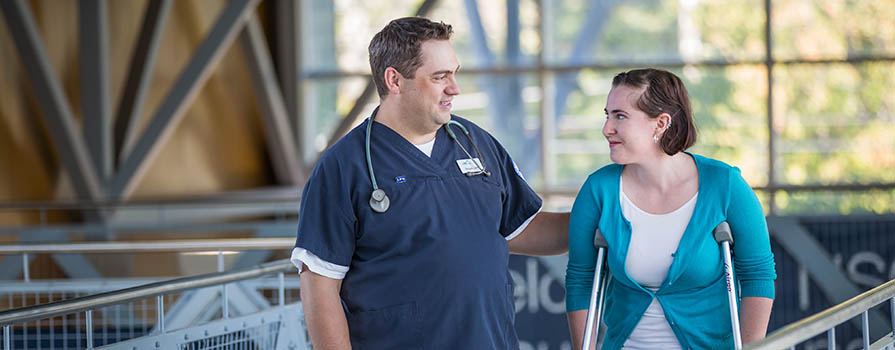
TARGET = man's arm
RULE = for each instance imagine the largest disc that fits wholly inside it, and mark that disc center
(546, 234)
(324, 316)
(755, 312)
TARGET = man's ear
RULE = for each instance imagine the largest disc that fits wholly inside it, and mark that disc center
(394, 81)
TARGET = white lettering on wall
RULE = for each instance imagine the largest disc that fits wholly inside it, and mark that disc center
(533, 290)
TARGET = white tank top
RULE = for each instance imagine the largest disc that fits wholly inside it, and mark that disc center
(654, 238)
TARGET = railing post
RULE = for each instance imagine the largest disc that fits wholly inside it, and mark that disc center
(225, 306)
(831, 338)
(25, 270)
(220, 260)
(6, 340)
(89, 329)
(865, 329)
(160, 317)
(283, 289)
(892, 313)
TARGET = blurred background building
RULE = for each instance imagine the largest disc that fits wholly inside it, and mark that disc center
(126, 121)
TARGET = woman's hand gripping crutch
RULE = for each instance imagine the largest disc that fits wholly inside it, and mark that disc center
(594, 311)
(725, 238)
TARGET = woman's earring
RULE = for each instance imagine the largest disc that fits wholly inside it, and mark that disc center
(655, 138)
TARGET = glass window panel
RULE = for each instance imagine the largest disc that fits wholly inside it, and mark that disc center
(764, 198)
(558, 202)
(728, 103)
(623, 32)
(327, 101)
(578, 146)
(730, 108)
(832, 29)
(340, 42)
(336, 34)
(493, 19)
(835, 123)
(830, 202)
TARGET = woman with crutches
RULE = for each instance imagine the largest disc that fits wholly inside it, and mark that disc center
(657, 208)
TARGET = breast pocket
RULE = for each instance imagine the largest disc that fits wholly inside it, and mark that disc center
(392, 327)
(485, 191)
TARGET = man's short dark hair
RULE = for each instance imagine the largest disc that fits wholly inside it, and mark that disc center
(398, 46)
(663, 92)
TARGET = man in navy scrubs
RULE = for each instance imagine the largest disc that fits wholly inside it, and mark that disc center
(430, 271)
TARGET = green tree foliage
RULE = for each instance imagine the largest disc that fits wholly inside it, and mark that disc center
(833, 122)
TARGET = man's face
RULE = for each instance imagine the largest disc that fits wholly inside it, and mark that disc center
(427, 97)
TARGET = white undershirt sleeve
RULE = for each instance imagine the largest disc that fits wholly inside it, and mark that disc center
(524, 225)
(315, 264)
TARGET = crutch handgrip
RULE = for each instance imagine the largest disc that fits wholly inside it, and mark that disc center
(598, 291)
(725, 240)
(722, 233)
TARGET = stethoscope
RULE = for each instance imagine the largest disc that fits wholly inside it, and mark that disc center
(379, 200)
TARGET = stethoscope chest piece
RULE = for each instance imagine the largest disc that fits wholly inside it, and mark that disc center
(379, 201)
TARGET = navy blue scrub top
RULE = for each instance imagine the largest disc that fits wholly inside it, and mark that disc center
(431, 272)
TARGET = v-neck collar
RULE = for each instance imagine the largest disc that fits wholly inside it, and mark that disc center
(688, 239)
(404, 146)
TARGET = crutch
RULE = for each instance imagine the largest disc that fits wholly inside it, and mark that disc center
(594, 311)
(725, 239)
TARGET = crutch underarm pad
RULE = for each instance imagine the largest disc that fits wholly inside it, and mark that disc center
(722, 233)
(599, 240)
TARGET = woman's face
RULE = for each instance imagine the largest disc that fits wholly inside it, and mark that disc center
(628, 129)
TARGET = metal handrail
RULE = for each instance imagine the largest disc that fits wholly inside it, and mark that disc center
(194, 245)
(94, 301)
(285, 195)
(823, 321)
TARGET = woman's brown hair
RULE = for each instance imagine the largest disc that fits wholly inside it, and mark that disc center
(663, 92)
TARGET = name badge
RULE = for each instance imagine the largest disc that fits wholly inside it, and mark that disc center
(469, 165)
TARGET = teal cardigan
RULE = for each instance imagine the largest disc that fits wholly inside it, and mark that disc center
(694, 293)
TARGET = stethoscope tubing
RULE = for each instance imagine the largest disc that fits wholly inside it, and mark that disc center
(379, 201)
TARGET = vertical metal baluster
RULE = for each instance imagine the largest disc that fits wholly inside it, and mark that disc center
(160, 322)
(78, 327)
(130, 319)
(865, 330)
(37, 322)
(64, 327)
(144, 311)
(52, 328)
(225, 308)
(24, 324)
(892, 314)
(831, 338)
(118, 323)
(6, 327)
(283, 289)
(89, 329)
(105, 324)
(6, 340)
(26, 272)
